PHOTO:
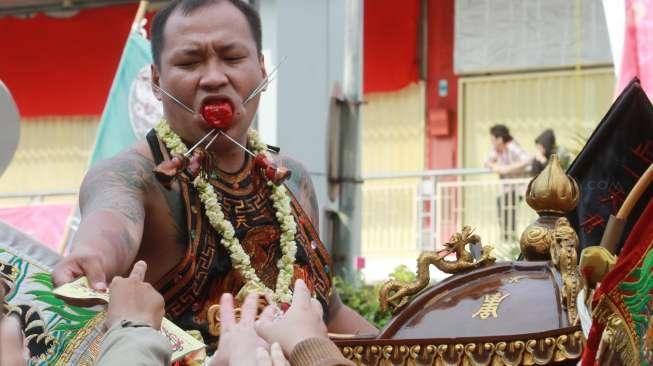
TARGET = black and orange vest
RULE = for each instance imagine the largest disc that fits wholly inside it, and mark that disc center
(205, 272)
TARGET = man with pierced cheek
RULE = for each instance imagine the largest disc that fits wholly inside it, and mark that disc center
(224, 217)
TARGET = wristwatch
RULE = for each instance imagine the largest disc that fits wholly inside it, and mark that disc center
(134, 324)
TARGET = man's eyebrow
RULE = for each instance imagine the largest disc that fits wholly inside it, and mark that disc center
(232, 46)
(189, 51)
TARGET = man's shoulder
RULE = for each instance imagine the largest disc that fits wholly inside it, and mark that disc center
(131, 167)
(299, 176)
(301, 185)
(134, 157)
(289, 162)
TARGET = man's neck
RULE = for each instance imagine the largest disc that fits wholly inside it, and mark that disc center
(229, 160)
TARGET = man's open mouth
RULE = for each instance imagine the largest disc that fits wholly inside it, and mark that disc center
(218, 113)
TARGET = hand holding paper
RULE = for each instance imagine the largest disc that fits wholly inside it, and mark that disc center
(132, 299)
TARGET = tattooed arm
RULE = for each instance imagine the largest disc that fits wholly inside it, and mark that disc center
(112, 203)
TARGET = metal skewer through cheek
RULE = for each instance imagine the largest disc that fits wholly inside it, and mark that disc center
(257, 90)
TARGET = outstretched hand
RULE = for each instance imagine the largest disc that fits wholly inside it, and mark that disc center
(134, 300)
(83, 263)
(304, 317)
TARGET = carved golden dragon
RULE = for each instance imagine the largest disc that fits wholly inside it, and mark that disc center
(395, 294)
(564, 244)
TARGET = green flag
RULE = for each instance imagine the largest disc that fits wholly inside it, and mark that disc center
(131, 108)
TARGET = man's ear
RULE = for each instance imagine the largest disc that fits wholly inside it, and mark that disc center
(264, 72)
(155, 81)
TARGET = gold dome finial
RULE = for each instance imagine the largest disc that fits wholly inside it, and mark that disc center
(551, 194)
(553, 191)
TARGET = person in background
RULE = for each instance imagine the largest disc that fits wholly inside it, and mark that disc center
(508, 159)
(545, 146)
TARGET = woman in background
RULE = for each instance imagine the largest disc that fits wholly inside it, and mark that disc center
(545, 145)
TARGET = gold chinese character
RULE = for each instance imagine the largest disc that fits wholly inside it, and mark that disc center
(490, 305)
(515, 279)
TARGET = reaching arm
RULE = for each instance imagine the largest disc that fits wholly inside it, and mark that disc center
(344, 320)
(112, 203)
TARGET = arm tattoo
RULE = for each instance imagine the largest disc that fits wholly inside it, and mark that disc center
(301, 185)
(118, 185)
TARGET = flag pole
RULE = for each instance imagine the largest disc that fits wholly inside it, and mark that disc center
(140, 13)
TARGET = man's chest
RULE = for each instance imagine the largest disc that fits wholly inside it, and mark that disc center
(247, 211)
(176, 219)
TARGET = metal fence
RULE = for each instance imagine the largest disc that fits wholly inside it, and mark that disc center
(406, 213)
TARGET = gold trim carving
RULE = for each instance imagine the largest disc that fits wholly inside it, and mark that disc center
(75, 344)
(542, 351)
(564, 245)
(553, 191)
(616, 340)
(395, 294)
(617, 343)
(534, 242)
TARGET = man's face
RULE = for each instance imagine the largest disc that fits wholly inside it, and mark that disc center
(497, 143)
(208, 55)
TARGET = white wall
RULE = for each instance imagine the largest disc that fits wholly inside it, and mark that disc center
(507, 35)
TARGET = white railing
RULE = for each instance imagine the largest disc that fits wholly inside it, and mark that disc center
(406, 213)
(494, 208)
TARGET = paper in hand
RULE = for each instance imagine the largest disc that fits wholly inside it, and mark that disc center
(79, 292)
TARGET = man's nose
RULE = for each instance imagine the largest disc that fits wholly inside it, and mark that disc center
(214, 77)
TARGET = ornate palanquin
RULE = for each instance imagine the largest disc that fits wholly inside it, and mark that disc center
(526, 312)
(486, 313)
(500, 314)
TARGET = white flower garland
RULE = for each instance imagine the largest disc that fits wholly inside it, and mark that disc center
(239, 259)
